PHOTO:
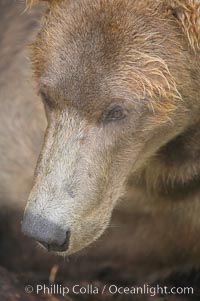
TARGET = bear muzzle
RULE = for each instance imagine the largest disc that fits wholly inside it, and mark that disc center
(50, 235)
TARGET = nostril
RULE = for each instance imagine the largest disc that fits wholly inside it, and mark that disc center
(65, 245)
(54, 247)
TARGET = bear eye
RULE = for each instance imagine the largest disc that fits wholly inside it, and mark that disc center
(116, 113)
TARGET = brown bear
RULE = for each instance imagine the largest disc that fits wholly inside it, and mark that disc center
(119, 80)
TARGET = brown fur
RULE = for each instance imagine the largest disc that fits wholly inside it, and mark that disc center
(188, 14)
(161, 70)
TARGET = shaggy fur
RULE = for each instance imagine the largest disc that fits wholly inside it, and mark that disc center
(187, 12)
(141, 58)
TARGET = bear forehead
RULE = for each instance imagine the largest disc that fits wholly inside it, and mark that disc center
(87, 50)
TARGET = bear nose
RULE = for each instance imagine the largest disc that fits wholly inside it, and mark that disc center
(54, 247)
(51, 235)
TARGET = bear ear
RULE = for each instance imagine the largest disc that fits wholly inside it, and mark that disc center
(187, 13)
